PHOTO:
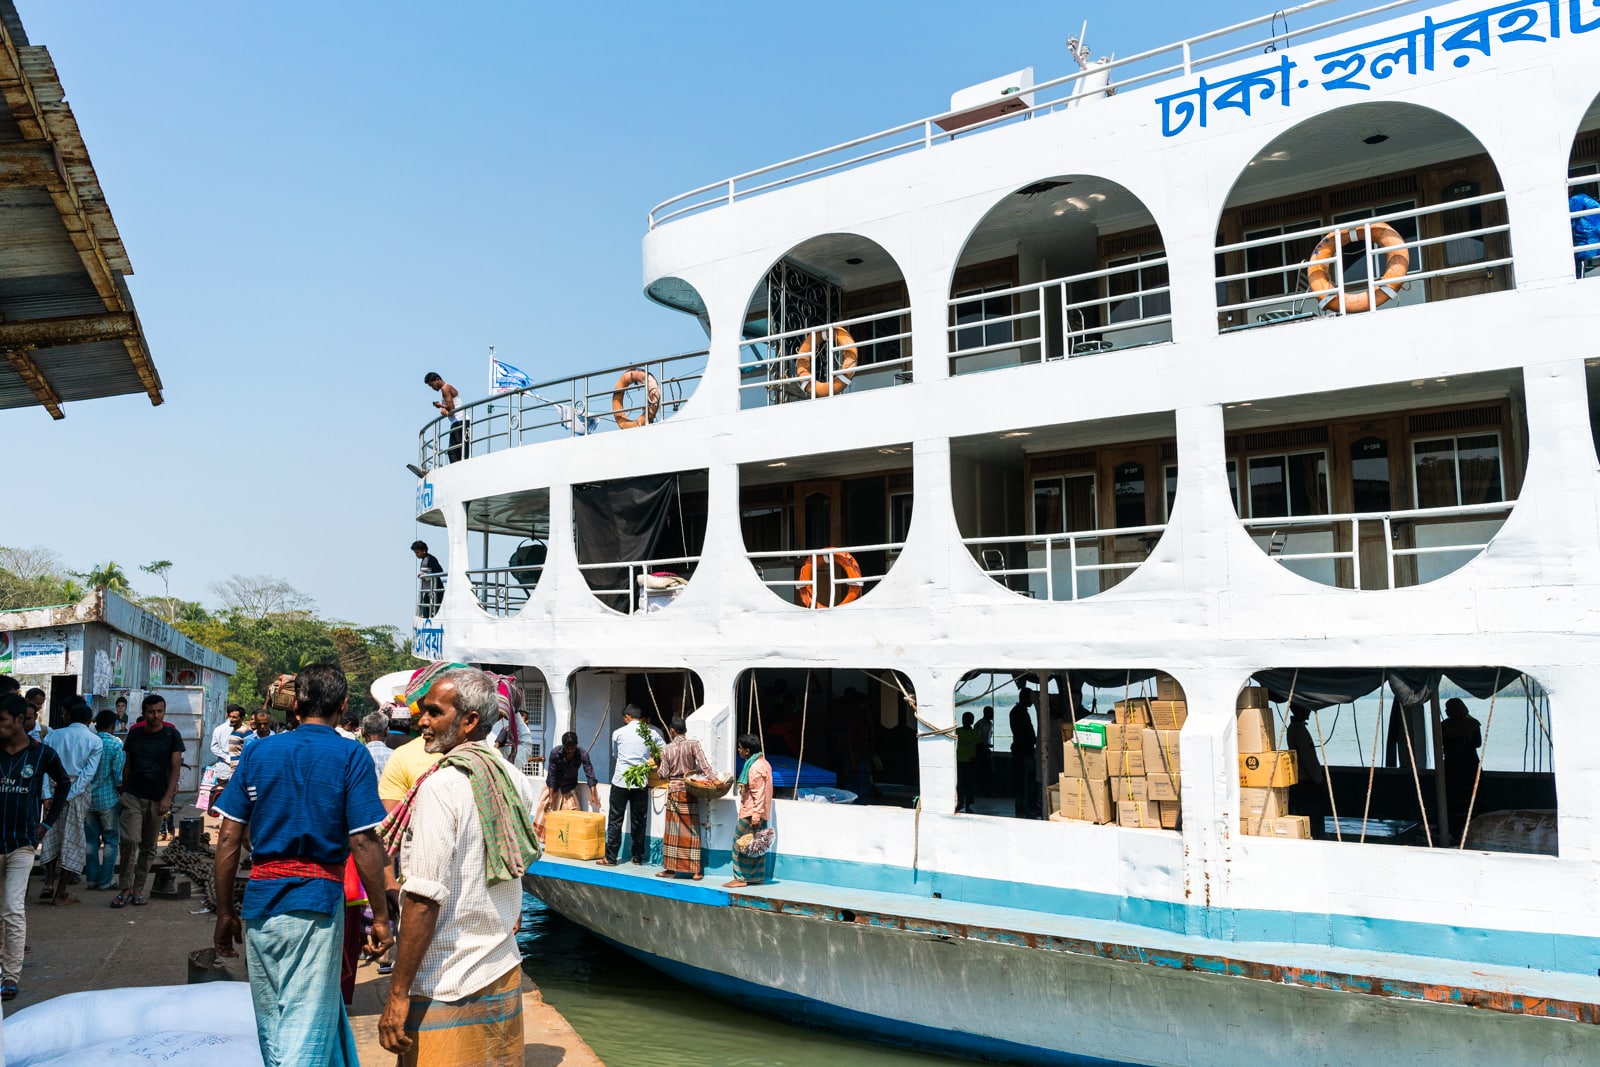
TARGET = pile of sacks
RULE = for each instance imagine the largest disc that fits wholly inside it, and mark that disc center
(136, 1027)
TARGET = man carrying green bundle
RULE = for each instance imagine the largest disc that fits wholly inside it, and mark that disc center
(464, 833)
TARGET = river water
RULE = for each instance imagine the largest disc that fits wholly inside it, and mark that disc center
(630, 1014)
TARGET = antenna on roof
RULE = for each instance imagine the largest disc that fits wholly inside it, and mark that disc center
(1078, 47)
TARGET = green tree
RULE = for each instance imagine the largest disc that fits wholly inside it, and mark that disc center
(161, 568)
(107, 575)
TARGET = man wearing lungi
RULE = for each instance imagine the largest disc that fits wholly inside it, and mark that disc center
(65, 847)
(561, 782)
(680, 844)
(755, 809)
(309, 800)
(465, 837)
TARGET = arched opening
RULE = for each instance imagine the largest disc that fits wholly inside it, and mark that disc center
(639, 539)
(1068, 511)
(1583, 194)
(507, 540)
(1418, 756)
(599, 695)
(1372, 206)
(833, 316)
(823, 530)
(1070, 265)
(1381, 487)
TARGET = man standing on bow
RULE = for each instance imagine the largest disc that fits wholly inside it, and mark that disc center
(465, 836)
(309, 800)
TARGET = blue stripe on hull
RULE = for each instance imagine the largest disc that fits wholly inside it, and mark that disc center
(793, 1008)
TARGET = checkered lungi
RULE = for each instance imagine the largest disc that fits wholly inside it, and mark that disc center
(65, 841)
(680, 843)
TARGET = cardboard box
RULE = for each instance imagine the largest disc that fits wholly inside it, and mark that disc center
(1268, 770)
(1117, 736)
(1295, 827)
(1169, 814)
(1080, 762)
(1160, 751)
(1161, 786)
(577, 835)
(1258, 807)
(1168, 714)
(1052, 798)
(1255, 730)
(1126, 762)
(1087, 733)
(1128, 789)
(1251, 696)
(1167, 688)
(1134, 712)
(1085, 800)
(1144, 813)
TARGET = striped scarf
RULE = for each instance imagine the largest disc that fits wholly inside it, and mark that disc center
(423, 678)
(508, 838)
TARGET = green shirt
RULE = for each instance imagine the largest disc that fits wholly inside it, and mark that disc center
(966, 744)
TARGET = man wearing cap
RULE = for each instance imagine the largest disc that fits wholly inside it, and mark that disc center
(628, 749)
(309, 801)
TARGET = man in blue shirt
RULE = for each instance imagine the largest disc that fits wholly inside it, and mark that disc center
(309, 801)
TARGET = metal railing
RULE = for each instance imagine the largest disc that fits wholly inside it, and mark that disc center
(1349, 525)
(634, 592)
(1302, 302)
(1141, 70)
(430, 595)
(1585, 230)
(996, 566)
(503, 590)
(1060, 326)
(775, 366)
(824, 591)
(565, 407)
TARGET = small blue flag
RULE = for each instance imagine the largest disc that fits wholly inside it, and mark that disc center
(503, 377)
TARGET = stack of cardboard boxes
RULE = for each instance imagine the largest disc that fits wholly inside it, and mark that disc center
(1265, 773)
(1125, 767)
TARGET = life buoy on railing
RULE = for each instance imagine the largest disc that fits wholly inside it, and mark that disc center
(816, 593)
(1319, 271)
(844, 363)
(652, 398)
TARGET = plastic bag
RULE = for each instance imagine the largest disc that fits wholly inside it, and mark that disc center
(169, 1048)
(755, 845)
(45, 1032)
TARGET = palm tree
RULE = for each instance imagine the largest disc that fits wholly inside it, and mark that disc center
(107, 575)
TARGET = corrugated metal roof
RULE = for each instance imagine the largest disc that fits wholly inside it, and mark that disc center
(61, 257)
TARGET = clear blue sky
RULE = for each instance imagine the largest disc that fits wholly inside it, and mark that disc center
(322, 201)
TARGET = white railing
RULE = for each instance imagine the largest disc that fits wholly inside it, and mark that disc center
(430, 594)
(1301, 302)
(1585, 231)
(1142, 70)
(503, 590)
(775, 366)
(639, 599)
(990, 554)
(1058, 325)
(1349, 524)
(566, 407)
(825, 591)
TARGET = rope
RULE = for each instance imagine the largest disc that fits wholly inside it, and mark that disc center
(894, 677)
(1372, 771)
(932, 730)
(800, 761)
(1327, 779)
(1416, 778)
(653, 704)
(1478, 777)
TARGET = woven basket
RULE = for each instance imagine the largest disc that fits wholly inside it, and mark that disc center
(708, 788)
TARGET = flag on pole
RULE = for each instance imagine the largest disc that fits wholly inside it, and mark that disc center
(503, 377)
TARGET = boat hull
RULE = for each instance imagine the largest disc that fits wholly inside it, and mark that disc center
(1013, 1003)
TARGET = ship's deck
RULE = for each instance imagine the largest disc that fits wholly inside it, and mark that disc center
(1516, 990)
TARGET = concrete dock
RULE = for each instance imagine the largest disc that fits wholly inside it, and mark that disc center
(91, 946)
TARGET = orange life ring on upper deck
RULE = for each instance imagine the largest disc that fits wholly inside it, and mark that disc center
(844, 348)
(652, 398)
(830, 558)
(1319, 272)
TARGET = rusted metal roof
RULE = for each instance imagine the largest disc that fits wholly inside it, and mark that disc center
(68, 327)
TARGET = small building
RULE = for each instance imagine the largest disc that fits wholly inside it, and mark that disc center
(106, 646)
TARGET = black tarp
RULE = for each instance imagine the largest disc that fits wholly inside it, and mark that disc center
(618, 522)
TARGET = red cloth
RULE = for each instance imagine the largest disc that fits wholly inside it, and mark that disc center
(291, 868)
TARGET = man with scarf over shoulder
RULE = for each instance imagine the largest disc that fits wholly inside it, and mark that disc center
(464, 834)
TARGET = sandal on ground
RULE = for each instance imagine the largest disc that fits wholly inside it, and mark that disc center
(737, 883)
(121, 900)
(665, 874)
(138, 901)
(606, 863)
(697, 877)
(8, 990)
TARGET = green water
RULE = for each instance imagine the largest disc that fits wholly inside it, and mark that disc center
(631, 1015)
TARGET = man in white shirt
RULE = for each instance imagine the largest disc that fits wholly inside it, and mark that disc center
(629, 749)
(455, 995)
(226, 741)
(65, 848)
(374, 731)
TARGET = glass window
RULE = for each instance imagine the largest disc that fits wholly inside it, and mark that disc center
(1369, 474)
(899, 517)
(980, 311)
(1048, 517)
(1455, 471)
(1127, 495)
(869, 350)
(1295, 484)
(1064, 505)
(1356, 257)
(1171, 477)
(1292, 253)
(1133, 284)
(765, 529)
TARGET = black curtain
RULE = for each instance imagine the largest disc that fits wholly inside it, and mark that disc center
(618, 522)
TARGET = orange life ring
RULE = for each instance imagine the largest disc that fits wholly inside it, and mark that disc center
(652, 398)
(1319, 271)
(830, 558)
(844, 349)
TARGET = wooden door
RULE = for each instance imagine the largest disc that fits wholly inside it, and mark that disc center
(818, 521)
(1136, 482)
(1371, 477)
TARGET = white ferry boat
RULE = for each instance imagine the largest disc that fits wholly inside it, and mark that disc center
(1259, 369)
